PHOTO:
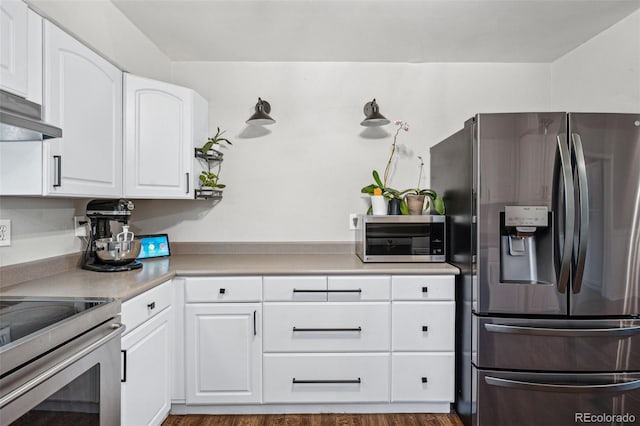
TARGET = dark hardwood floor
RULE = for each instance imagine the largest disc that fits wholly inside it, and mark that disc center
(317, 420)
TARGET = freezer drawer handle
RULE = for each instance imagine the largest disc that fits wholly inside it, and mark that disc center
(548, 387)
(327, 329)
(564, 332)
(355, 381)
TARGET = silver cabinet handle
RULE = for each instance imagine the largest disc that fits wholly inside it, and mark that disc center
(584, 211)
(564, 332)
(549, 387)
(327, 329)
(569, 215)
(57, 159)
(348, 381)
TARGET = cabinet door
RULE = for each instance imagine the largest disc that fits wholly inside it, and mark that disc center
(158, 139)
(84, 98)
(223, 353)
(422, 326)
(13, 47)
(146, 386)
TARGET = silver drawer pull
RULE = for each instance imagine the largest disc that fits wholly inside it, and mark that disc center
(327, 329)
(352, 381)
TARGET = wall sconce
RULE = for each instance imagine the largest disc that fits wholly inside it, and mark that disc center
(373, 116)
(261, 116)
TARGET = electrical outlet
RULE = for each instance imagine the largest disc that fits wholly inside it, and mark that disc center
(353, 221)
(81, 226)
(5, 232)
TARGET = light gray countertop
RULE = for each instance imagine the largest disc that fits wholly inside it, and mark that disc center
(125, 285)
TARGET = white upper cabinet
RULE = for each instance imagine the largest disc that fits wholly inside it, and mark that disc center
(83, 96)
(163, 124)
(14, 32)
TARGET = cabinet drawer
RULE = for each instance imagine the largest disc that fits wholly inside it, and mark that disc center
(299, 289)
(326, 327)
(420, 377)
(326, 378)
(144, 306)
(355, 288)
(423, 326)
(423, 287)
(223, 289)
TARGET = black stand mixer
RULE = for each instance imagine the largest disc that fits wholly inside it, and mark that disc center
(107, 252)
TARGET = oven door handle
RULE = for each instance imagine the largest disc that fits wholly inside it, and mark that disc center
(550, 387)
(117, 329)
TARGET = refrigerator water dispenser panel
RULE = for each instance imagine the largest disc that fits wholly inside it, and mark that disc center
(526, 245)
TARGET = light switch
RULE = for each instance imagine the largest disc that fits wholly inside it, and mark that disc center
(5, 232)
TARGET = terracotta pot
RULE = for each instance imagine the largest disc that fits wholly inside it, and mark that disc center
(415, 203)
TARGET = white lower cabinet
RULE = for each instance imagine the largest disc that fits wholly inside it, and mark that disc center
(422, 344)
(146, 358)
(323, 378)
(382, 340)
(326, 327)
(419, 377)
(223, 353)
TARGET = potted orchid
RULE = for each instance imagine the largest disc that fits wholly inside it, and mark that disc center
(415, 197)
(379, 187)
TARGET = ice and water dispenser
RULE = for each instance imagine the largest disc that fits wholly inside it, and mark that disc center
(526, 245)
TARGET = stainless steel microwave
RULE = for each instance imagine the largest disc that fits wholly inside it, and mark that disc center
(410, 238)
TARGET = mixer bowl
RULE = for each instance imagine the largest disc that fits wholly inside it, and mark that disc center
(115, 252)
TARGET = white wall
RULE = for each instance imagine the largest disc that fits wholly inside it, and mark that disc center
(603, 74)
(300, 181)
(40, 228)
(102, 26)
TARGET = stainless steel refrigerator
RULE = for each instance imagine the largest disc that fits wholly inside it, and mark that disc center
(544, 224)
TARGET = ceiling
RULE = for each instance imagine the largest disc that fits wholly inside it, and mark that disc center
(372, 30)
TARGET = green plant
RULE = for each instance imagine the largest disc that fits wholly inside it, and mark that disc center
(216, 140)
(210, 179)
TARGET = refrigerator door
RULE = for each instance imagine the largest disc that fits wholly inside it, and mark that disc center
(525, 178)
(528, 399)
(606, 157)
(558, 345)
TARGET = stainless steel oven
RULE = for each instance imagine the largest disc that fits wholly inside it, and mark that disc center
(410, 238)
(59, 361)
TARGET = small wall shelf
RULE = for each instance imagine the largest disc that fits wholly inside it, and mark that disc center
(213, 155)
(208, 194)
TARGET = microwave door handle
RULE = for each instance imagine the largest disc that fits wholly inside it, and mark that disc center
(569, 215)
(583, 193)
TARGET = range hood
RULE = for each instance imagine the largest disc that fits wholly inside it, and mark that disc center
(21, 120)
